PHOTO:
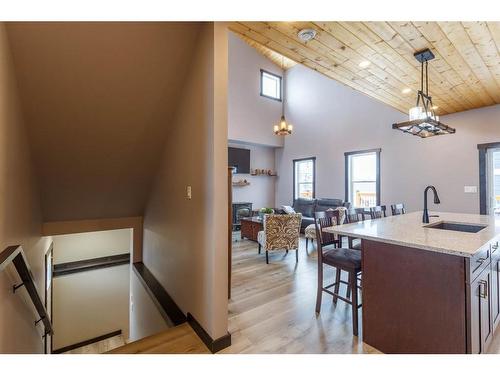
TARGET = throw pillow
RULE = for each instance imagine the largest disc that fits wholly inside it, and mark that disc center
(288, 209)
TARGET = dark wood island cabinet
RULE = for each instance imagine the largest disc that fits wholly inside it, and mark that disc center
(427, 290)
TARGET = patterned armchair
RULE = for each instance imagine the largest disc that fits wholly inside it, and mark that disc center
(281, 232)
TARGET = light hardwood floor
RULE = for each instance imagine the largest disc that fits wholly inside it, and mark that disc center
(177, 340)
(272, 309)
(99, 347)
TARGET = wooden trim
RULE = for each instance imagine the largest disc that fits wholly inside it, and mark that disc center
(313, 158)
(229, 229)
(482, 181)
(90, 264)
(348, 153)
(55, 228)
(377, 151)
(484, 146)
(87, 342)
(165, 304)
(213, 345)
(281, 85)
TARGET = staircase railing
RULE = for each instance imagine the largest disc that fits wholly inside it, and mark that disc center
(15, 255)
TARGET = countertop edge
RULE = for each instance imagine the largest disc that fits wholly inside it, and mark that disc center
(401, 243)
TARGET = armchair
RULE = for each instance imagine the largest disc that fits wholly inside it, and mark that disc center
(281, 232)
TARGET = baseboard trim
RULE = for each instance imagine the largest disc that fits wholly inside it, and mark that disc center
(166, 305)
(213, 345)
(87, 342)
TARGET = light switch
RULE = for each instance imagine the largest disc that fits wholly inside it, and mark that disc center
(188, 192)
(470, 189)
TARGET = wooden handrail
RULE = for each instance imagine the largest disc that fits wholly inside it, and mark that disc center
(15, 255)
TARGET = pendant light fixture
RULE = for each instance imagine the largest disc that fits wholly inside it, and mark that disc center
(423, 121)
(283, 128)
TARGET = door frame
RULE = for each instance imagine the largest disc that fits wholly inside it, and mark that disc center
(483, 175)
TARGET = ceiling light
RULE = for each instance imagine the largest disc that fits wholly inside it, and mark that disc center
(406, 90)
(306, 34)
(364, 64)
(423, 121)
(435, 107)
(282, 128)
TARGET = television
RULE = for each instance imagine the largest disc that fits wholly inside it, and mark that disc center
(239, 159)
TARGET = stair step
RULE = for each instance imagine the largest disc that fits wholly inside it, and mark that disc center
(176, 340)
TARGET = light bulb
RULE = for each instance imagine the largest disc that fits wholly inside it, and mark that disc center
(415, 113)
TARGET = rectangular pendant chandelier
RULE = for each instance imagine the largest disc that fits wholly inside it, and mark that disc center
(423, 121)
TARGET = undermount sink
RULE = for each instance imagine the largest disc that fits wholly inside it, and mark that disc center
(457, 227)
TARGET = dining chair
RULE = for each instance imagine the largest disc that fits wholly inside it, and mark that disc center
(398, 209)
(378, 212)
(355, 215)
(342, 259)
(281, 232)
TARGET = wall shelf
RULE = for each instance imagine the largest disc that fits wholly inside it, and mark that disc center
(263, 172)
(241, 183)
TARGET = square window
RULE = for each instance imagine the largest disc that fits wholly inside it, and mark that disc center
(270, 85)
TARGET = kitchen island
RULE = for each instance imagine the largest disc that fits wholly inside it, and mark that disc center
(429, 288)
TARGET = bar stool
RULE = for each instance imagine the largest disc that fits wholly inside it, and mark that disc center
(398, 209)
(378, 212)
(342, 259)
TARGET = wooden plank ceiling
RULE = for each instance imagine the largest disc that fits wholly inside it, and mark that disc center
(465, 73)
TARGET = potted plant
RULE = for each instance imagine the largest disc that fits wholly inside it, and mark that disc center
(265, 210)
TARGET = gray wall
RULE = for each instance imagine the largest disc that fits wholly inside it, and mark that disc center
(185, 240)
(331, 119)
(261, 191)
(250, 116)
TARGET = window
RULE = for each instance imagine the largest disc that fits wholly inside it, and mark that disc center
(270, 85)
(304, 175)
(362, 169)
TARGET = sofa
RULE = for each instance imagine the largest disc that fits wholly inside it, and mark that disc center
(307, 207)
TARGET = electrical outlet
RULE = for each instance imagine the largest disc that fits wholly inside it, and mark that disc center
(470, 189)
(188, 192)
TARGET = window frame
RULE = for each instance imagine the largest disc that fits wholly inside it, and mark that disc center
(313, 159)
(262, 71)
(377, 152)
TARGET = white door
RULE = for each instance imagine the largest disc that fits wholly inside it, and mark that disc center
(493, 181)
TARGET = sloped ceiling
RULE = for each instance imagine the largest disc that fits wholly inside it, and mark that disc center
(376, 58)
(97, 99)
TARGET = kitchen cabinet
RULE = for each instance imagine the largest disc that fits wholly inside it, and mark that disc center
(481, 317)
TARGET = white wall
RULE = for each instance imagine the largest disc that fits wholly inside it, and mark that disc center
(74, 247)
(145, 319)
(250, 116)
(90, 304)
(261, 191)
(331, 119)
(20, 216)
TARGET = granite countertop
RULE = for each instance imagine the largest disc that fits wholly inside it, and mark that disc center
(408, 230)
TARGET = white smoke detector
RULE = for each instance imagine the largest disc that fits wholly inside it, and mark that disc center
(306, 34)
